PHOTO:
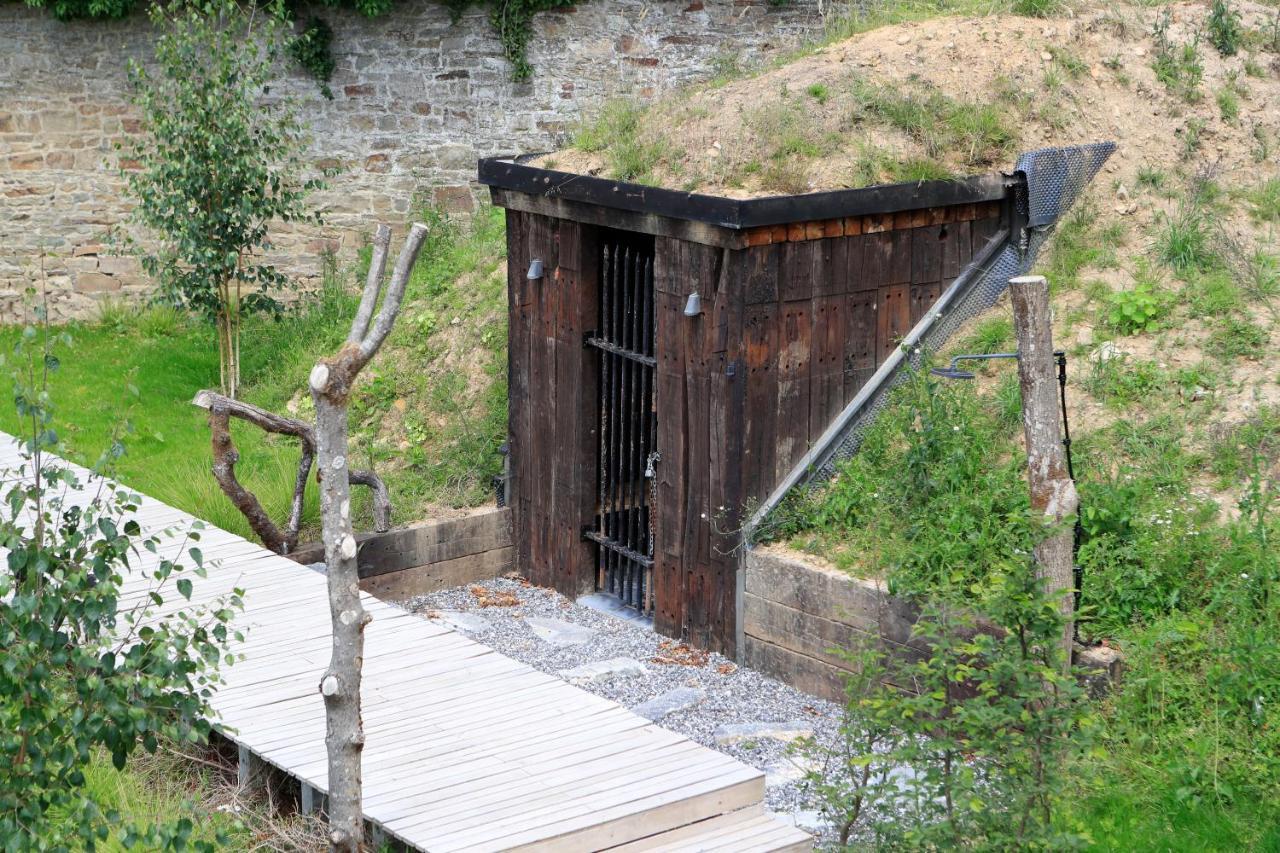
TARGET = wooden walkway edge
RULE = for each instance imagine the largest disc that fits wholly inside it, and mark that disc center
(466, 749)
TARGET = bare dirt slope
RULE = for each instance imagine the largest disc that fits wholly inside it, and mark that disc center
(843, 115)
(1184, 221)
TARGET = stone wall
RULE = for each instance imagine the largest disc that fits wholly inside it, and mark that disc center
(416, 102)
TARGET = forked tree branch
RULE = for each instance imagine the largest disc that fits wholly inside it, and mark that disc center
(372, 286)
(225, 456)
(372, 341)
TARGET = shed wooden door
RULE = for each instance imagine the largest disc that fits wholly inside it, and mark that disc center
(627, 453)
(552, 425)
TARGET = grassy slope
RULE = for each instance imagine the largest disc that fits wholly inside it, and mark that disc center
(429, 410)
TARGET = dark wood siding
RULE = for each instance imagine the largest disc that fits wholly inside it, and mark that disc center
(552, 399)
(791, 328)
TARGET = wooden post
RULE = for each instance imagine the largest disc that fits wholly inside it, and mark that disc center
(251, 771)
(331, 382)
(1052, 491)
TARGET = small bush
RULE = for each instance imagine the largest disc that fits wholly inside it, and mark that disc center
(1224, 28)
(819, 93)
(1132, 311)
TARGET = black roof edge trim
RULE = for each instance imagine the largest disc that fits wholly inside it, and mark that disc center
(511, 174)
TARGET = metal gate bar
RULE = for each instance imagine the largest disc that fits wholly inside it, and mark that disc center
(625, 341)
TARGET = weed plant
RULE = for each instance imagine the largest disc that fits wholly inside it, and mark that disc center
(1178, 67)
(1223, 25)
(1138, 310)
(1185, 752)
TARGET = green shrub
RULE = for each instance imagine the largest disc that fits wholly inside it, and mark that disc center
(1224, 28)
(975, 755)
(1136, 310)
(87, 670)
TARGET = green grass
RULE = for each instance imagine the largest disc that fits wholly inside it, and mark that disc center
(160, 788)
(167, 452)
(1080, 244)
(981, 131)
(619, 131)
(1264, 201)
(167, 357)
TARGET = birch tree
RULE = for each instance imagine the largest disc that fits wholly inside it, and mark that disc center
(216, 164)
(331, 382)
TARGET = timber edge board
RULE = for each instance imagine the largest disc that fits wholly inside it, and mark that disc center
(720, 221)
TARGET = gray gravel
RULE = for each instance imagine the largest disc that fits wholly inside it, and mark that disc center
(734, 696)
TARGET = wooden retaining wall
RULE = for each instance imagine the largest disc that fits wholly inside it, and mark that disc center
(796, 614)
(430, 556)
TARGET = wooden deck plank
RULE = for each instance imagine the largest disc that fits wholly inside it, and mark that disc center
(466, 748)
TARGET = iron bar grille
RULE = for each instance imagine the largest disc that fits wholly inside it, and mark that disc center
(628, 426)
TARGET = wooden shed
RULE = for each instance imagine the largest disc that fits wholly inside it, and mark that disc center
(673, 356)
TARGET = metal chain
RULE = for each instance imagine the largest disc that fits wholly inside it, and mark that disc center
(651, 475)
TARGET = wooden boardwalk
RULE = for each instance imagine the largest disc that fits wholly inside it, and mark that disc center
(466, 749)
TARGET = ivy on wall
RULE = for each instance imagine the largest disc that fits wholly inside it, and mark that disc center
(512, 20)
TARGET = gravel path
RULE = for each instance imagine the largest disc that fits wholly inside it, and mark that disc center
(716, 703)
